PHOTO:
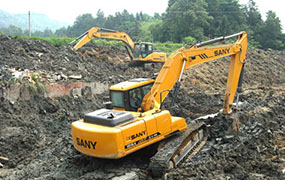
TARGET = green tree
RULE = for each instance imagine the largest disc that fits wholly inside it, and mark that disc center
(189, 40)
(100, 18)
(156, 16)
(145, 33)
(228, 18)
(186, 18)
(124, 21)
(253, 15)
(82, 23)
(62, 32)
(255, 23)
(158, 32)
(46, 33)
(12, 31)
(271, 32)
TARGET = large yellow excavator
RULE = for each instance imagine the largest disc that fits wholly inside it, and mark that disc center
(135, 120)
(137, 51)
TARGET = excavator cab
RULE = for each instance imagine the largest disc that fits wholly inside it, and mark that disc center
(143, 50)
(128, 95)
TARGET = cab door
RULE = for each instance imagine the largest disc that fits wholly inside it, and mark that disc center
(137, 51)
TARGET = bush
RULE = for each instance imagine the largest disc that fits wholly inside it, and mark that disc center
(55, 41)
(167, 47)
(108, 42)
(189, 40)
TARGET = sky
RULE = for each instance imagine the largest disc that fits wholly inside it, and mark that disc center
(68, 10)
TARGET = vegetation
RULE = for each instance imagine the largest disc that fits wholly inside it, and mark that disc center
(56, 41)
(167, 47)
(185, 21)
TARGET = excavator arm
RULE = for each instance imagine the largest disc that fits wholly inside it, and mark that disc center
(103, 33)
(182, 59)
(97, 32)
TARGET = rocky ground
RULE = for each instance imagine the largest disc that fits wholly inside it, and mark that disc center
(35, 137)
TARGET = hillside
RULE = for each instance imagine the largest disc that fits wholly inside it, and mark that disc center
(39, 22)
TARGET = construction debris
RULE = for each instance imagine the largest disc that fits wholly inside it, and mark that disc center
(35, 131)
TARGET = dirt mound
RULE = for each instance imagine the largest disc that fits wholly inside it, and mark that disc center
(35, 132)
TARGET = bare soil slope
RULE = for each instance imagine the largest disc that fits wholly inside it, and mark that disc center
(35, 130)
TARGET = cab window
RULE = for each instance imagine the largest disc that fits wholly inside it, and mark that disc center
(144, 50)
(135, 98)
(137, 95)
(150, 48)
(136, 51)
(117, 98)
(146, 89)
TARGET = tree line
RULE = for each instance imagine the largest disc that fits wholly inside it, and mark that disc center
(183, 21)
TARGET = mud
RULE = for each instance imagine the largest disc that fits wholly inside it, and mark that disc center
(35, 131)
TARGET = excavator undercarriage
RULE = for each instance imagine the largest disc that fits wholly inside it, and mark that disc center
(178, 148)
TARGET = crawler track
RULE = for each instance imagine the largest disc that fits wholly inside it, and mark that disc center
(178, 148)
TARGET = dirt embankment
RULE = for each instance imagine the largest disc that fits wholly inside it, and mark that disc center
(35, 128)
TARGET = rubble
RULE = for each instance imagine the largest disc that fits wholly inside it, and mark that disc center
(35, 125)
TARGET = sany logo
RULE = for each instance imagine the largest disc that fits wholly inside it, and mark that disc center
(222, 52)
(85, 143)
(134, 136)
(216, 53)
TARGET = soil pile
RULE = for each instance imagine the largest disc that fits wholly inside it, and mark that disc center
(35, 132)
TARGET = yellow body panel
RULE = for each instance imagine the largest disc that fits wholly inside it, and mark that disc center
(84, 133)
(153, 57)
(119, 141)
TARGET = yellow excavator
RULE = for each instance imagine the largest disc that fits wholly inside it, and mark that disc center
(137, 51)
(134, 118)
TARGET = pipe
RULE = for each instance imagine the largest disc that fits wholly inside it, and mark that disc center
(212, 41)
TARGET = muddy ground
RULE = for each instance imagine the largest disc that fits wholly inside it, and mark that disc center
(35, 136)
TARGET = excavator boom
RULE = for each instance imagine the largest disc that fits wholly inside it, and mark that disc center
(182, 59)
(97, 32)
(187, 143)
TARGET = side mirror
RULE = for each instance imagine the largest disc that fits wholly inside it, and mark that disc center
(108, 105)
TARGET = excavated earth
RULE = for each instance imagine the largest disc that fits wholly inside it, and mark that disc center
(35, 117)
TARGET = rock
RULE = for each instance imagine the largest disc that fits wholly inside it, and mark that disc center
(127, 176)
(75, 77)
